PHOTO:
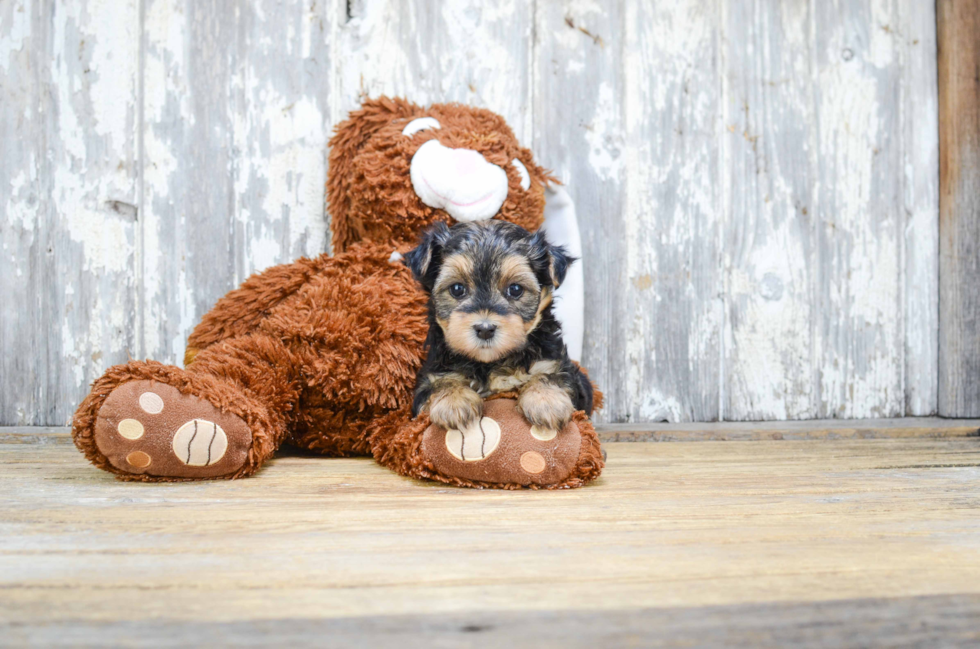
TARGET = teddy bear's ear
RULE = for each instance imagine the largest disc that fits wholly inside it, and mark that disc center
(424, 260)
(349, 137)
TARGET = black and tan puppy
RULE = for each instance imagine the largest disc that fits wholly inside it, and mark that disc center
(491, 327)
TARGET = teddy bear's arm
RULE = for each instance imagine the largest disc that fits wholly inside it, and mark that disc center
(243, 309)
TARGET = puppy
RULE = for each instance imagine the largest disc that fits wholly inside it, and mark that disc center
(491, 327)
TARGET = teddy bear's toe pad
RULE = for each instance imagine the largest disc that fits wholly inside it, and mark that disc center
(151, 428)
(474, 443)
(503, 449)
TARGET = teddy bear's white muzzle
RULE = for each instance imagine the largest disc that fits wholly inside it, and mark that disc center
(460, 181)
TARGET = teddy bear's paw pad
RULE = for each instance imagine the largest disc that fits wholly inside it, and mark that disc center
(543, 434)
(200, 443)
(474, 443)
(151, 428)
(503, 448)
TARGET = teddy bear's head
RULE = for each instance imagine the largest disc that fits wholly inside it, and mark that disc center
(396, 168)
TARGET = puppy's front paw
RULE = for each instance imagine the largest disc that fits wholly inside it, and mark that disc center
(455, 408)
(545, 405)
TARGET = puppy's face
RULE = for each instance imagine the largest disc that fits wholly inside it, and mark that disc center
(489, 282)
(487, 301)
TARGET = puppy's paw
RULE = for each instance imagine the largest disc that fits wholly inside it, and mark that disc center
(545, 405)
(455, 408)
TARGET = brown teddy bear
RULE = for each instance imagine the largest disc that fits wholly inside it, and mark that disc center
(323, 353)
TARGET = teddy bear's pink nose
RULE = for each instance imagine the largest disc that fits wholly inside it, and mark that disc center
(467, 161)
(460, 181)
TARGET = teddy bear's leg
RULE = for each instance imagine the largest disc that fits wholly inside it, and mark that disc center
(222, 417)
(502, 452)
(243, 310)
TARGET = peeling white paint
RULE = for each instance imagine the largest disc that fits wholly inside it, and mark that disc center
(21, 211)
(604, 135)
(766, 132)
(920, 119)
(863, 361)
(113, 62)
(15, 30)
(165, 294)
(264, 252)
(107, 242)
(475, 52)
(719, 296)
(883, 30)
(296, 173)
(654, 406)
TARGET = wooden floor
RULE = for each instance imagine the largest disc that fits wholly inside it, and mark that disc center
(748, 543)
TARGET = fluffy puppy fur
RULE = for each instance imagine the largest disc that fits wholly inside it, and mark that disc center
(491, 327)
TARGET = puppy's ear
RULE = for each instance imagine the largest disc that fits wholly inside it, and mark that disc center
(550, 263)
(425, 259)
(560, 261)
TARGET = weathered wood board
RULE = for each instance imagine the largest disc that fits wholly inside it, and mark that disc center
(782, 537)
(948, 621)
(959, 228)
(69, 181)
(579, 133)
(236, 116)
(757, 183)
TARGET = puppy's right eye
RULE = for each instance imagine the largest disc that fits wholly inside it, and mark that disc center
(457, 290)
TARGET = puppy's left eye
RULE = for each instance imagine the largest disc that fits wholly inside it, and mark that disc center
(514, 291)
(457, 290)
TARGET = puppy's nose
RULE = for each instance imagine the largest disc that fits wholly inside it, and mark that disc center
(485, 330)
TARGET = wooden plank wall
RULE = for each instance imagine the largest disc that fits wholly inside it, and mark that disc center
(757, 182)
(958, 23)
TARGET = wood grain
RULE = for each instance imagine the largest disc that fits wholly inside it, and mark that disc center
(920, 135)
(827, 429)
(959, 204)
(833, 211)
(788, 525)
(756, 182)
(459, 50)
(769, 178)
(715, 431)
(672, 213)
(932, 621)
(860, 214)
(234, 136)
(68, 159)
(579, 128)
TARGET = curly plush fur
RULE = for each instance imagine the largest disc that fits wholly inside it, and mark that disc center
(322, 353)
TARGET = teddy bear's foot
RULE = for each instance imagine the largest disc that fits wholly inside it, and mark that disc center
(503, 450)
(151, 429)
